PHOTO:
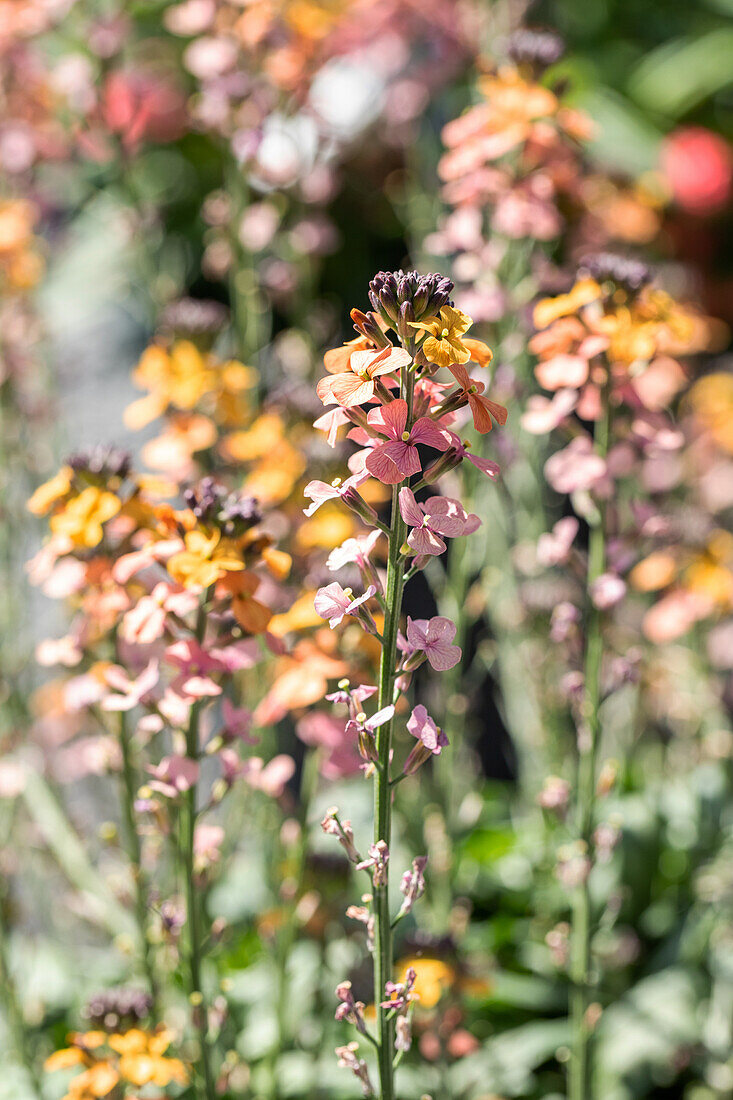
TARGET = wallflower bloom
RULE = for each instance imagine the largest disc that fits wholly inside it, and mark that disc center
(333, 602)
(431, 739)
(433, 637)
(482, 409)
(207, 557)
(442, 342)
(437, 516)
(397, 459)
(82, 517)
(357, 385)
(143, 1061)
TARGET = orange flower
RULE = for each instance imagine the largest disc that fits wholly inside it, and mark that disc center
(207, 557)
(302, 679)
(356, 384)
(251, 615)
(482, 409)
(82, 517)
(711, 399)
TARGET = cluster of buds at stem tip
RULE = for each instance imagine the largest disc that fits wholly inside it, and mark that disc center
(403, 296)
(536, 48)
(350, 1009)
(377, 860)
(623, 272)
(232, 513)
(332, 825)
(348, 1058)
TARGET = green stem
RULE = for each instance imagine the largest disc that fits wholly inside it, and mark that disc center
(382, 784)
(205, 1078)
(580, 1069)
(134, 855)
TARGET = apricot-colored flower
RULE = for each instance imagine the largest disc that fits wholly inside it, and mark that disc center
(434, 978)
(482, 408)
(82, 517)
(442, 343)
(357, 383)
(207, 557)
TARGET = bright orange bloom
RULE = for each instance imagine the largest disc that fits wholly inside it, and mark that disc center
(142, 1060)
(51, 492)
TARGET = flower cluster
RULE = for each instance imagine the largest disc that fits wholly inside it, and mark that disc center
(400, 415)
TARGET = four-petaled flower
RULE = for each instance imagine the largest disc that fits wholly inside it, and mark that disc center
(433, 637)
(437, 516)
(482, 409)
(333, 602)
(397, 459)
(442, 342)
(356, 385)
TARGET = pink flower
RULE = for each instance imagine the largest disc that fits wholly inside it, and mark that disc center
(437, 516)
(397, 459)
(699, 166)
(270, 778)
(562, 372)
(194, 662)
(543, 415)
(353, 551)
(174, 775)
(607, 591)
(131, 692)
(553, 548)
(333, 602)
(576, 467)
(485, 465)
(338, 756)
(237, 723)
(422, 726)
(330, 423)
(319, 492)
(433, 637)
(59, 651)
(207, 842)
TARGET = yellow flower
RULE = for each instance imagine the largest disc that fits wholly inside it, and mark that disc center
(207, 557)
(548, 310)
(442, 343)
(301, 616)
(142, 1060)
(710, 574)
(82, 517)
(711, 399)
(434, 977)
(51, 492)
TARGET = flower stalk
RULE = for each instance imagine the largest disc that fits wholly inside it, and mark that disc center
(581, 968)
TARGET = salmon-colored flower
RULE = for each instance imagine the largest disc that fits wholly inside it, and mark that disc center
(483, 410)
(356, 385)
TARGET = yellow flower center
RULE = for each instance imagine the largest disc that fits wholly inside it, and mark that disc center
(336, 482)
(361, 716)
(405, 436)
(445, 333)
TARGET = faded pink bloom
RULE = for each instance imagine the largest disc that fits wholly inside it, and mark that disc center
(130, 692)
(333, 602)
(174, 775)
(59, 651)
(397, 459)
(237, 723)
(195, 662)
(674, 615)
(330, 423)
(562, 372)
(543, 415)
(319, 492)
(353, 551)
(553, 548)
(576, 467)
(435, 517)
(607, 591)
(433, 637)
(207, 842)
(270, 778)
(338, 756)
(377, 861)
(130, 564)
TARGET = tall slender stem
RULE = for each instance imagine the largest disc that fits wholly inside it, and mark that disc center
(580, 1070)
(205, 1078)
(382, 793)
(134, 853)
